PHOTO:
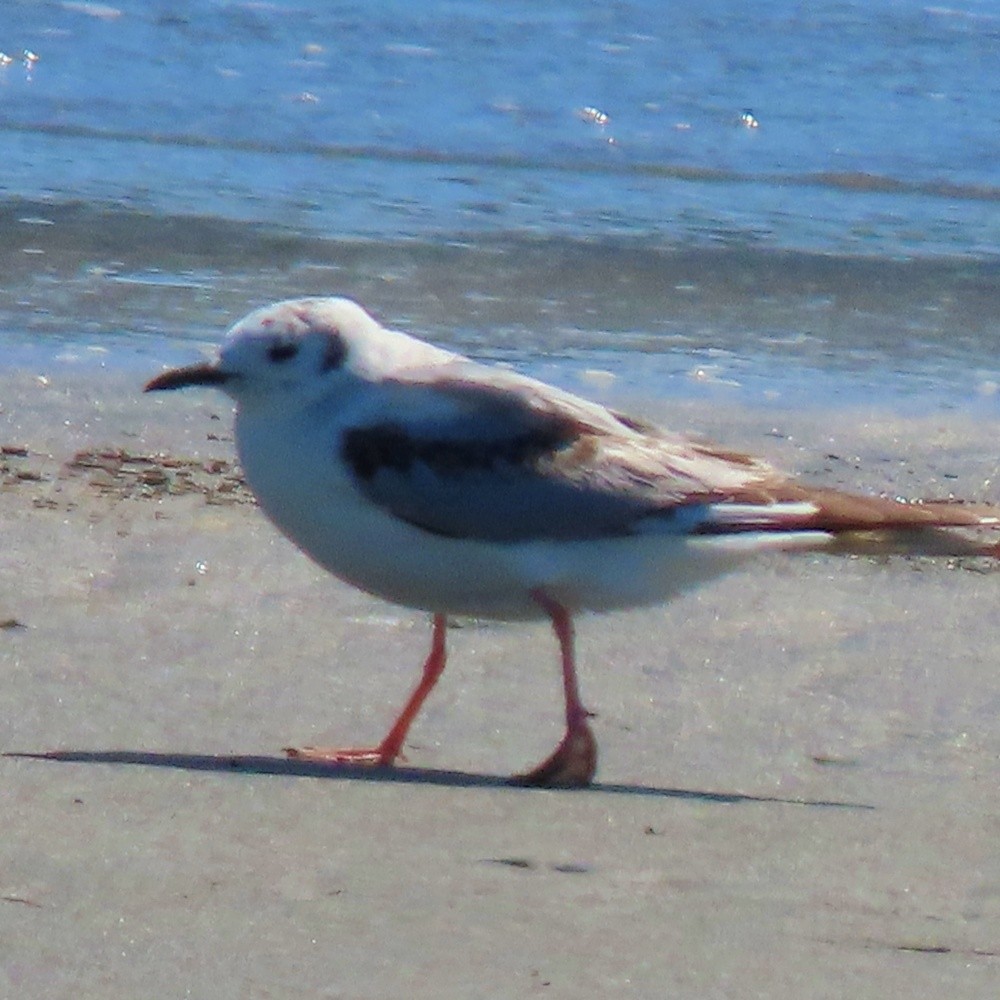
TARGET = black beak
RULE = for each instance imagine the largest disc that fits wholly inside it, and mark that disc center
(179, 378)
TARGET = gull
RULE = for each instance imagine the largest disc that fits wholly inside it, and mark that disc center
(458, 488)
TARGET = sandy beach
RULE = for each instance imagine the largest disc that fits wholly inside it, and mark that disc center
(797, 796)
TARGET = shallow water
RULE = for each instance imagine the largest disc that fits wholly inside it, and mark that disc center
(566, 189)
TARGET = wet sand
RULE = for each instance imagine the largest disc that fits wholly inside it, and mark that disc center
(798, 790)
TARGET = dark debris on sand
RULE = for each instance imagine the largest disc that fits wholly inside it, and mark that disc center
(121, 475)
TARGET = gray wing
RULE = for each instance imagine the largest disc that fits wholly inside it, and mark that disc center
(480, 453)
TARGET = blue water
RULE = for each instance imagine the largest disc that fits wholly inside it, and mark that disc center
(780, 200)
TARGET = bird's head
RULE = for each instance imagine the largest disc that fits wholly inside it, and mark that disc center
(291, 351)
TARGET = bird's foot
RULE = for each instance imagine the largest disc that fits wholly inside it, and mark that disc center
(572, 764)
(367, 756)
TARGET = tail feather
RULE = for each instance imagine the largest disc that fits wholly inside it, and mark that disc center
(911, 542)
(864, 525)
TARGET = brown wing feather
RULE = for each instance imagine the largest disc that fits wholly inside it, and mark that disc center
(673, 470)
(653, 472)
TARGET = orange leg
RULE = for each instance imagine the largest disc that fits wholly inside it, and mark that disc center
(385, 754)
(573, 763)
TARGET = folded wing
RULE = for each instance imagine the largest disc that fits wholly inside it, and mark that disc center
(485, 454)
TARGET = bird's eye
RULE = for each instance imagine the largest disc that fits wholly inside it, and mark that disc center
(282, 351)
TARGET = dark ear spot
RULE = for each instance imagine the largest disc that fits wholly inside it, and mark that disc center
(334, 353)
(283, 350)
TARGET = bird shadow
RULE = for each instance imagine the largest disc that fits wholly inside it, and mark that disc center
(291, 768)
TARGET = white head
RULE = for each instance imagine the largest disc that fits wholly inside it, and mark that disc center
(301, 350)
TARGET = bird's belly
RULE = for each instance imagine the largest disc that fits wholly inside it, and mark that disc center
(402, 564)
(399, 562)
(370, 549)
